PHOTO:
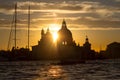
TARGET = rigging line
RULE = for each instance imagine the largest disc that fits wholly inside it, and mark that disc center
(10, 34)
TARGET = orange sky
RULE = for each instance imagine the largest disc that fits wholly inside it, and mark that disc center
(98, 38)
(98, 19)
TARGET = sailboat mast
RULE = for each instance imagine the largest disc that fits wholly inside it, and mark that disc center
(28, 26)
(15, 22)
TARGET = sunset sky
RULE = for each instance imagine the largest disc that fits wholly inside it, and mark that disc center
(98, 19)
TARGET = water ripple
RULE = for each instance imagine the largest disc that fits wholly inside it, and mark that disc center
(36, 70)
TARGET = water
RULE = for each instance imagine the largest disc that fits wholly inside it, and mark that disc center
(37, 70)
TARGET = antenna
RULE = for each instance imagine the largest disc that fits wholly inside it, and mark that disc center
(28, 25)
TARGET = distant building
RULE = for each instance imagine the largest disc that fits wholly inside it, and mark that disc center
(46, 38)
(113, 50)
(66, 47)
(45, 48)
(87, 52)
(65, 36)
(87, 45)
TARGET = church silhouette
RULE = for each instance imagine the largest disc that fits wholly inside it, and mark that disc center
(65, 49)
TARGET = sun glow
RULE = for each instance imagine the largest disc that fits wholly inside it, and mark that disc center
(55, 36)
(54, 28)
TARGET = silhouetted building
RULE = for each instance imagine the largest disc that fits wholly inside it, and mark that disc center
(87, 52)
(66, 48)
(113, 50)
(45, 48)
(46, 38)
(87, 45)
(65, 35)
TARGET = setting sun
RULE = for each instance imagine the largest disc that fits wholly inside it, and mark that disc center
(55, 36)
(54, 28)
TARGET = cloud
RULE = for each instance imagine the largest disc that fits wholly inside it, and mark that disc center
(83, 13)
(117, 0)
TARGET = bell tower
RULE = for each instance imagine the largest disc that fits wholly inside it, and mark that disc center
(42, 33)
(87, 45)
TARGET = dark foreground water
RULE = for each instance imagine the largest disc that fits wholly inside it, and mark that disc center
(37, 70)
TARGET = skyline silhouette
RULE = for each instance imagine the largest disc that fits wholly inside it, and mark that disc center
(65, 49)
(90, 18)
(59, 39)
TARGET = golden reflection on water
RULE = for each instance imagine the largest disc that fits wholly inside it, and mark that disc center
(52, 72)
(55, 71)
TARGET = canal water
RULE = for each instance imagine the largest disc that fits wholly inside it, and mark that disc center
(43, 70)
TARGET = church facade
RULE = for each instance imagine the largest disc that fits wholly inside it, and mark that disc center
(66, 47)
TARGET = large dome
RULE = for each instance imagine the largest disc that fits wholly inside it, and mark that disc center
(65, 35)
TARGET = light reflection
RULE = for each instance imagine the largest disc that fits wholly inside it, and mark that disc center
(55, 71)
(52, 72)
